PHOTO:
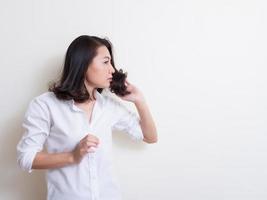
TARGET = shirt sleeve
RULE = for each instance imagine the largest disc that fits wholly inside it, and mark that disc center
(36, 126)
(128, 122)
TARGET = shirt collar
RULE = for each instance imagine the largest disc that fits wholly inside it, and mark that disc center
(99, 102)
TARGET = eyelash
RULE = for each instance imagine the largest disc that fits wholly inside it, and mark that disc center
(106, 62)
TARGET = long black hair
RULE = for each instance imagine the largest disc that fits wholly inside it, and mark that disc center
(78, 57)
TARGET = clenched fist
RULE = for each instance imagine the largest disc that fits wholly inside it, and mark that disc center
(86, 145)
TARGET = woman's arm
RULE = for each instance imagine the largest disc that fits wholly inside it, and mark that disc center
(146, 120)
(45, 160)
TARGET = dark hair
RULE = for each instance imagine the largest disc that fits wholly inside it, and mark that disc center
(78, 57)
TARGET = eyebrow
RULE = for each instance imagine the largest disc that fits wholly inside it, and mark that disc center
(107, 57)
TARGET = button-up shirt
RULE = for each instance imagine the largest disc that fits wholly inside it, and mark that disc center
(58, 126)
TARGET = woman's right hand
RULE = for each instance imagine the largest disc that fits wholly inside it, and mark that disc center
(86, 145)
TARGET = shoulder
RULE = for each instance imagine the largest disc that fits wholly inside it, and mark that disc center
(46, 96)
(46, 100)
(46, 104)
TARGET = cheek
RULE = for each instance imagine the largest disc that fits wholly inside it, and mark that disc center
(95, 75)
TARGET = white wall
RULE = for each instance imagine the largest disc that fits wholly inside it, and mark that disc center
(201, 65)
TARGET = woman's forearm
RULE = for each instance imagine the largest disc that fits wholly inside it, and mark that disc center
(146, 121)
(45, 160)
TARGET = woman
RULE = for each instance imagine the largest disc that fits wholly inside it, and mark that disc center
(74, 122)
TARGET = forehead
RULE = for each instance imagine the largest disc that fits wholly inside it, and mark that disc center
(102, 52)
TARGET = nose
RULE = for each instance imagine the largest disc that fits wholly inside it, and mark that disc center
(111, 69)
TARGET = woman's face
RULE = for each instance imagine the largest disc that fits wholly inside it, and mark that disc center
(99, 72)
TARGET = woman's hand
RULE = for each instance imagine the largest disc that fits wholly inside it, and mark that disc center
(135, 94)
(86, 145)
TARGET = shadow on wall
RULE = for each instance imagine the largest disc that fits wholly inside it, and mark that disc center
(122, 141)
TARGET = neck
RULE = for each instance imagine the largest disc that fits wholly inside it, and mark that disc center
(90, 89)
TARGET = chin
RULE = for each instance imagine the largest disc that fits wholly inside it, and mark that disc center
(104, 86)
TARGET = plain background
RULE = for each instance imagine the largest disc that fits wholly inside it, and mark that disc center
(200, 64)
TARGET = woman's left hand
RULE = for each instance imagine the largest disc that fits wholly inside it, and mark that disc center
(135, 94)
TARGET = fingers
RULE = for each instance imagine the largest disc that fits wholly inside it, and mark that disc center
(91, 150)
(90, 138)
(88, 147)
(89, 143)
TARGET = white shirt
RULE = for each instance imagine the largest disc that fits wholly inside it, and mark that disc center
(59, 126)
